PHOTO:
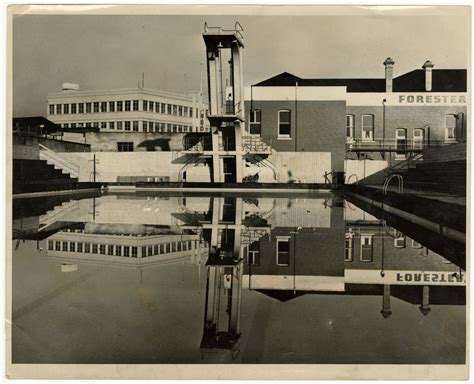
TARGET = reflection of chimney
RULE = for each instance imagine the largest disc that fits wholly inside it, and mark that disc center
(425, 303)
(428, 67)
(388, 74)
(386, 312)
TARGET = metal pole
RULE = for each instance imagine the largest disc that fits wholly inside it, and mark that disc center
(383, 128)
(94, 170)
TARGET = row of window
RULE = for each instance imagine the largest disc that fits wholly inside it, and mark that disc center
(367, 126)
(146, 126)
(367, 247)
(119, 250)
(122, 106)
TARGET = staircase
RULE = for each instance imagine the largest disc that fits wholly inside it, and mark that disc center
(59, 162)
(58, 213)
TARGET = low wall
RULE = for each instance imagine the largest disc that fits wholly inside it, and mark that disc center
(357, 170)
(282, 167)
(453, 152)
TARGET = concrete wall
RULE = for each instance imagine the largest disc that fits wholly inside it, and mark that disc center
(316, 126)
(142, 142)
(303, 167)
(359, 169)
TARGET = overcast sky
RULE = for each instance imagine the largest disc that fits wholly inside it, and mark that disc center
(103, 52)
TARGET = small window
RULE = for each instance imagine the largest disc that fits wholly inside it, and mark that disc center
(134, 252)
(157, 107)
(145, 126)
(175, 110)
(150, 250)
(102, 249)
(94, 248)
(96, 107)
(156, 249)
(127, 105)
(110, 249)
(50, 245)
(125, 147)
(73, 108)
(400, 240)
(350, 127)
(79, 247)
(119, 106)
(66, 108)
(450, 133)
(88, 107)
(135, 126)
(96, 124)
(127, 125)
(65, 246)
(81, 107)
(415, 244)
(367, 249)
(143, 251)
(135, 105)
(103, 125)
(368, 127)
(169, 109)
(103, 106)
(111, 106)
(51, 109)
(180, 111)
(72, 246)
(284, 123)
(163, 108)
(118, 250)
(57, 246)
(126, 251)
(255, 121)
(112, 125)
(87, 248)
(119, 125)
(145, 105)
(283, 251)
(185, 111)
(162, 248)
(59, 109)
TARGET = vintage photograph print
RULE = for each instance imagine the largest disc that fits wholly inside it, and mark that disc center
(238, 192)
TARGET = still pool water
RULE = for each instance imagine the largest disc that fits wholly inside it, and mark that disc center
(153, 278)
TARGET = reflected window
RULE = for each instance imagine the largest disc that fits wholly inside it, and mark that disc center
(283, 251)
(349, 248)
(367, 248)
(399, 241)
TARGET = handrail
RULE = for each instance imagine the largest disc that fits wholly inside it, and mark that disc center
(387, 182)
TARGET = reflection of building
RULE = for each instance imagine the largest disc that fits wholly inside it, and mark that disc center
(125, 118)
(90, 246)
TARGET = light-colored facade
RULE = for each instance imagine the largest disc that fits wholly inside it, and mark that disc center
(127, 110)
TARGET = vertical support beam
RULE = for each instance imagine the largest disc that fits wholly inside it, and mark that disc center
(216, 201)
(386, 310)
(213, 94)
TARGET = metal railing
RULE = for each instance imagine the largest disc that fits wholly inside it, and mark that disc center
(221, 31)
(394, 145)
(57, 160)
(389, 179)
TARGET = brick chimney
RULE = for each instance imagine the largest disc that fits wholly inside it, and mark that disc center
(388, 74)
(428, 67)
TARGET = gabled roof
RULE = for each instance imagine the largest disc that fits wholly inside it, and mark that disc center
(443, 80)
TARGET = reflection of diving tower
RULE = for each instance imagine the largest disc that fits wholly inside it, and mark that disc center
(224, 279)
(226, 101)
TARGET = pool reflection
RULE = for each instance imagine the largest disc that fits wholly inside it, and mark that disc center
(281, 248)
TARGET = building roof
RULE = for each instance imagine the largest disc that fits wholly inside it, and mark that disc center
(41, 125)
(443, 80)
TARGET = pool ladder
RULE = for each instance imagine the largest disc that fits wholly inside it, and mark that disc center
(389, 179)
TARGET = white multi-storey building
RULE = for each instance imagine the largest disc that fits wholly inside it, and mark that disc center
(132, 110)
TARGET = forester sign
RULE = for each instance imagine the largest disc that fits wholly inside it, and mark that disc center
(432, 99)
(454, 277)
